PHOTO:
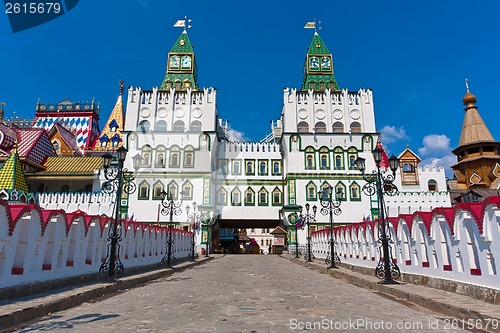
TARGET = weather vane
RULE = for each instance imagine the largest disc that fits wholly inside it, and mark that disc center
(182, 23)
(312, 25)
(467, 84)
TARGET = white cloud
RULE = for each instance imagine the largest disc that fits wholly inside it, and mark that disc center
(435, 145)
(445, 161)
(390, 134)
(239, 136)
(144, 3)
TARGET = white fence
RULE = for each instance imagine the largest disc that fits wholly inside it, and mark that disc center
(40, 245)
(461, 243)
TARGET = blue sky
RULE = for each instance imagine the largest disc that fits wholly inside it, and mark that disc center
(414, 55)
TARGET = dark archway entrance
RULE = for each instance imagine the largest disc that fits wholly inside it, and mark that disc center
(230, 235)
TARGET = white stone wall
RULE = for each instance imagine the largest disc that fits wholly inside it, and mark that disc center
(459, 243)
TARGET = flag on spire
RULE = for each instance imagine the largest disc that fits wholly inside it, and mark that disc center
(385, 159)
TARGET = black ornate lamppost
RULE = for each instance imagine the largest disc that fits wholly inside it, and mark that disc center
(330, 206)
(195, 218)
(381, 183)
(119, 180)
(170, 208)
(207, 222)
(308, 218)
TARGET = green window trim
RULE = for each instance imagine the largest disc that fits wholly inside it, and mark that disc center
(309, 158)
(189, 195)
(173, 189)
(224, 201)
(188, 160)
(311, 192)
(344, 190)
(280, 197)
(355, 185)
(352, 155)
(175, 158)
(249, 194)
(157, 189)
(273, 164)
(324, 155)
(143, 192)
(233, 170)
(263, 164)
(250, 167)
(266, 197)
(233, 202)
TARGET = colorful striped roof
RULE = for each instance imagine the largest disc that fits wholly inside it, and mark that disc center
(12, 175)
(71, 165)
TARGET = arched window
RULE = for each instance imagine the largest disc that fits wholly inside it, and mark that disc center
(236, 167)
(160, 160)
(179, 126)
(263, 197)
(143, 193)
(146, 156)
(222, 196)
(161, 126)
(262, 168)
(311, 190)
(324, 158)
(249, 197)
(354, 191)
(276, 197)
(173, 190)
(303, 127)
(355, 127)
(338, 127)
(187, 190)
(144, 126)
(352, 155)
(276, 167)
(189, 157)
(157, 189)
(320, 127)
(236, 197)
(432, 185)
(309, 156)
(196, 126)
(338, 158)
(174, 157)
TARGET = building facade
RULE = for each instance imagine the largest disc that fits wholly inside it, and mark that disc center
(188, 152)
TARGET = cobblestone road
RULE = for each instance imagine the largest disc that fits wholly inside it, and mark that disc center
(245, 293)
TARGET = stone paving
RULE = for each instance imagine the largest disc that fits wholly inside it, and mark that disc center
(246, 293)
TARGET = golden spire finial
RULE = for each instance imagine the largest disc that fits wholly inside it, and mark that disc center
(469, 99)
(121, 87)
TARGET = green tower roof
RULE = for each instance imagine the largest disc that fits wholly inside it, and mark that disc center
(181, 66)
(318, 68)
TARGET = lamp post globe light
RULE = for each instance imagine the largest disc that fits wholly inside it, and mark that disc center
(380, 183)
(170, 208)
(194, 216)
(308, 218)
(331, 206)
(119, 180)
